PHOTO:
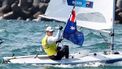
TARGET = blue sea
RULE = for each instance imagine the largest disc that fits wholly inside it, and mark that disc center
(24, 38)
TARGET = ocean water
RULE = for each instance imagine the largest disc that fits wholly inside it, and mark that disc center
(23, 38)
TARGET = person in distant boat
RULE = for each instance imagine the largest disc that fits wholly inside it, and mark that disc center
(49, 44)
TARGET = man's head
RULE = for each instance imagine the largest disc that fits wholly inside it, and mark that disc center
(49, 31)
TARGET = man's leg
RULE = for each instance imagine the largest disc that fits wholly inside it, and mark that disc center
(59, 55)
(66, 51)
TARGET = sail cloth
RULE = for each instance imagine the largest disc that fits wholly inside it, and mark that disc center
(71, 33)
(98, 17)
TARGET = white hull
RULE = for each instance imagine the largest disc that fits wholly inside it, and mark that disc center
(74, 59)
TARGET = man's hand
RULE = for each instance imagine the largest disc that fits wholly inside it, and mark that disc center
(59, 41)
(60, 27)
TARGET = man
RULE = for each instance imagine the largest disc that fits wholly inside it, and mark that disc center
(49, 44)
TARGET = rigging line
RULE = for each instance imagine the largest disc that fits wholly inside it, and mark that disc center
(104, 38)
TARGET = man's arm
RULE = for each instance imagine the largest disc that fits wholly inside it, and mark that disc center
(53, 39)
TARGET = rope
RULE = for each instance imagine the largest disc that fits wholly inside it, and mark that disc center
(104, 38)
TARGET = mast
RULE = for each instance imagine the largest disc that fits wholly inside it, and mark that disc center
(112, 30)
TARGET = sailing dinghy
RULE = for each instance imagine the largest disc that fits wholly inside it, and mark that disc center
(102, 13)
(74, 59)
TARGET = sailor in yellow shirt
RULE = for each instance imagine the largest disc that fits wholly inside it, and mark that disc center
(49, 44)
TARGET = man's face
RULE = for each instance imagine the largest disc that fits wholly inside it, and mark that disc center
(49, 33)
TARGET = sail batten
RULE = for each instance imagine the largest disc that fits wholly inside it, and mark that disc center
(99, 16)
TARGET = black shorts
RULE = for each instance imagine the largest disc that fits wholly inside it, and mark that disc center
(62, 52)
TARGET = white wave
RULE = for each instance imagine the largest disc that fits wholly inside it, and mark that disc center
(2, 30)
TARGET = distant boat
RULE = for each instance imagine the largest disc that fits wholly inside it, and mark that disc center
(93, 14)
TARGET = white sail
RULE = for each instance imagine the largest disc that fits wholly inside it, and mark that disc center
(99, 17)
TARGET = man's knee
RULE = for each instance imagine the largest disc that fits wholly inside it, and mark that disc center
(66, 52)
(66, 47)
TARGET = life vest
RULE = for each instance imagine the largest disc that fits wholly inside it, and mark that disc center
(50, 49)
